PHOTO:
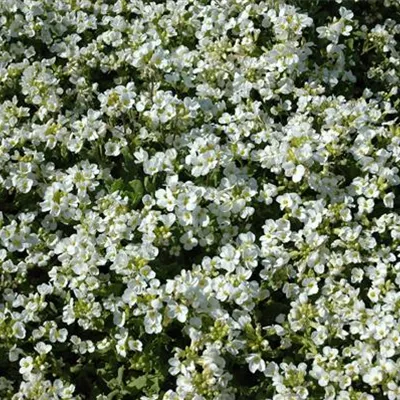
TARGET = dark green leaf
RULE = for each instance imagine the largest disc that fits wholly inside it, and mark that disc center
(136, 191)
(117, 185)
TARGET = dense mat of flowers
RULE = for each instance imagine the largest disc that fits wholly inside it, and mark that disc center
(199, 199)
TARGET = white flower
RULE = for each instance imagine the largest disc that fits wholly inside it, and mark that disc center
(229, 258)
(178, 311)
(388, 200)
(187, 201)
(14, 353)
(165, 199)
(256, 363)
(19, 330)
(268, 214)
(152, 322)
(311, 286)
(135, 345)
(112, 148)
(394, 391)
(26, 365)
(188, 240)
(43, 348)
(298, 173)
(321, 375)
(58, 335)
(373, 377)
(119, 318)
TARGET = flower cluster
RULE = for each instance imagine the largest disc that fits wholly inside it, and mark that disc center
(199, 199)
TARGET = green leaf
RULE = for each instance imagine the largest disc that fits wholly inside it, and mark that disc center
(149, 184)
(121, 374)
(136, 185)
(129, 162)
(113, 394)
(136, 192)
(155, 387)
(350, 43)
(138, 383)
(127, 154)
(117, 185)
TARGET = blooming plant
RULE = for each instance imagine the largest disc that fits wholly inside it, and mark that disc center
(199, 200)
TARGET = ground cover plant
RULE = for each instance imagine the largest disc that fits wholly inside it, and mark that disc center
(199, 200)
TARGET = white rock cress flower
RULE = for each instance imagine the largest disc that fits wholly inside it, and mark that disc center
(209, 186)
(256, 363)
(26, 365)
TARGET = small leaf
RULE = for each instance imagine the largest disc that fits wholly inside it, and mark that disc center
(127, 154)
(136, 185)
(113, 394)
(137, 191)
(138, 383)
(117, 185)
(350, 43)
(148, 184)
(155, 387)
(121, 374)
